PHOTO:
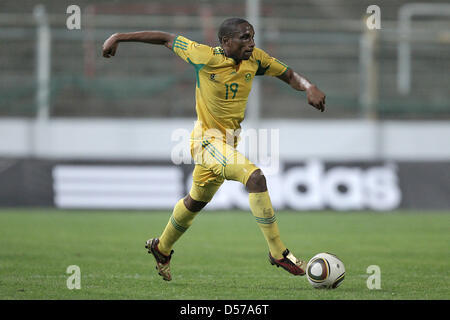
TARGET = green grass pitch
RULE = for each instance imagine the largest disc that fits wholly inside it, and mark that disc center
(222, 256)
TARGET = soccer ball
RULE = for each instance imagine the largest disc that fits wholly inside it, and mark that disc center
(325, 271)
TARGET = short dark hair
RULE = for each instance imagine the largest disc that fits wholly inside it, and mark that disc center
(228, 27)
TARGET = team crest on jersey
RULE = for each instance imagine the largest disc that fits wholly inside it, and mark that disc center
(248, 77)
(218, 50)
(212, 77)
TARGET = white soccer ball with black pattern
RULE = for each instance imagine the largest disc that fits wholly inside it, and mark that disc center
(325, 271)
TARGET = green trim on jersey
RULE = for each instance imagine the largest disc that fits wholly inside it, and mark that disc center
(197, 67)
(180, 44)
(173, 44)
(284, 71)
(282, 63)
(261, 70)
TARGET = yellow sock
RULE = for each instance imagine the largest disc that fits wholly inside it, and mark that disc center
(180, 220)
(262, 209)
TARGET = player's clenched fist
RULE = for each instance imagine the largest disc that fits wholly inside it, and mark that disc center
(110, 46)
(316, 98)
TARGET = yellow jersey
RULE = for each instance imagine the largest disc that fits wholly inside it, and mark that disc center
(222, 86)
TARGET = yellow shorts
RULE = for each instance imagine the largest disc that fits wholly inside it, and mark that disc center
(215, 161)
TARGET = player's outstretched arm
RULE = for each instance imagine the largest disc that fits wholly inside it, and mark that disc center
(316, 98)
(152, 37)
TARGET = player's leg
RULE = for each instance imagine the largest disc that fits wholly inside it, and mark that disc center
(205, 185)
(260, 204)
(235, 166)
(181, 219)
(239, 168)
(262, 209)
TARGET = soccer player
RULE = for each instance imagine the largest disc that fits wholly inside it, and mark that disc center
(224, 76)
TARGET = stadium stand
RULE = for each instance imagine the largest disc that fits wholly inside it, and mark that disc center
(320, 39)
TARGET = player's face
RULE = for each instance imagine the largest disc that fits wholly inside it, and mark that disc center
(242, 43)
